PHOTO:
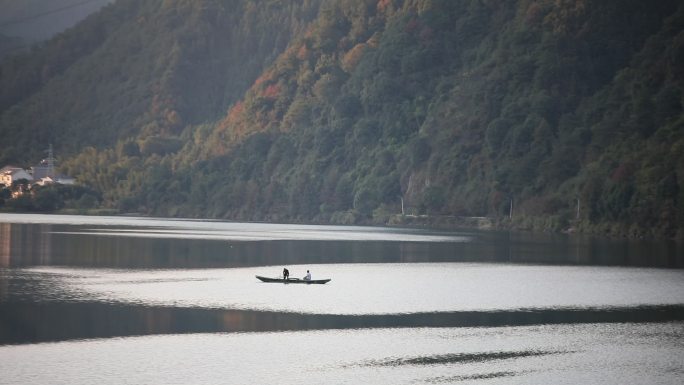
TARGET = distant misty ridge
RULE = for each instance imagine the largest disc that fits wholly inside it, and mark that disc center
(37, 20)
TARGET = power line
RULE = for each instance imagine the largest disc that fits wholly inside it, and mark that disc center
(39, 15)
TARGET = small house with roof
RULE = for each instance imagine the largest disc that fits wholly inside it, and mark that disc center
(59, 179)
(41, 175)
(11, 174)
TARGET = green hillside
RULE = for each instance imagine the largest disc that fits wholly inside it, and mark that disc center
(338, 111)
(138, 69)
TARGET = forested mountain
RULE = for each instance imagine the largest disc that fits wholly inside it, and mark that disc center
(337, 111)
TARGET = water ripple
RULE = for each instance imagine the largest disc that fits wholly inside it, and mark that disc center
(443, 359)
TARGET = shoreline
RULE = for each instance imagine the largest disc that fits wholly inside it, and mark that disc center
(539, 225)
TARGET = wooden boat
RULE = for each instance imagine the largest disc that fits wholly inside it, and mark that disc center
(292, 280)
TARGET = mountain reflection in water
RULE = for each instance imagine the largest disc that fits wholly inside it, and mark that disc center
(24, 322)
(144, 300)
(98, 245)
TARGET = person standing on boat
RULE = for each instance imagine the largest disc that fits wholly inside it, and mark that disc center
(286, 273)
(307, 277)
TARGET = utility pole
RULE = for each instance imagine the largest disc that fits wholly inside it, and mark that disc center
(510, 211)
(402, 205)
(578, 209)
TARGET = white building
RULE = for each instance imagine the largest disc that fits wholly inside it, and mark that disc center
(59, 179)
(11, 174)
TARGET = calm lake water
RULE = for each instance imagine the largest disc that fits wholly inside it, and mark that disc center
(115, 300)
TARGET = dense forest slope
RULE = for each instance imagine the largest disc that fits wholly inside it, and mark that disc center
(558, 113)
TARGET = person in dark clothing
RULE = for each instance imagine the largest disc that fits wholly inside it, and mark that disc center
(286, 273)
